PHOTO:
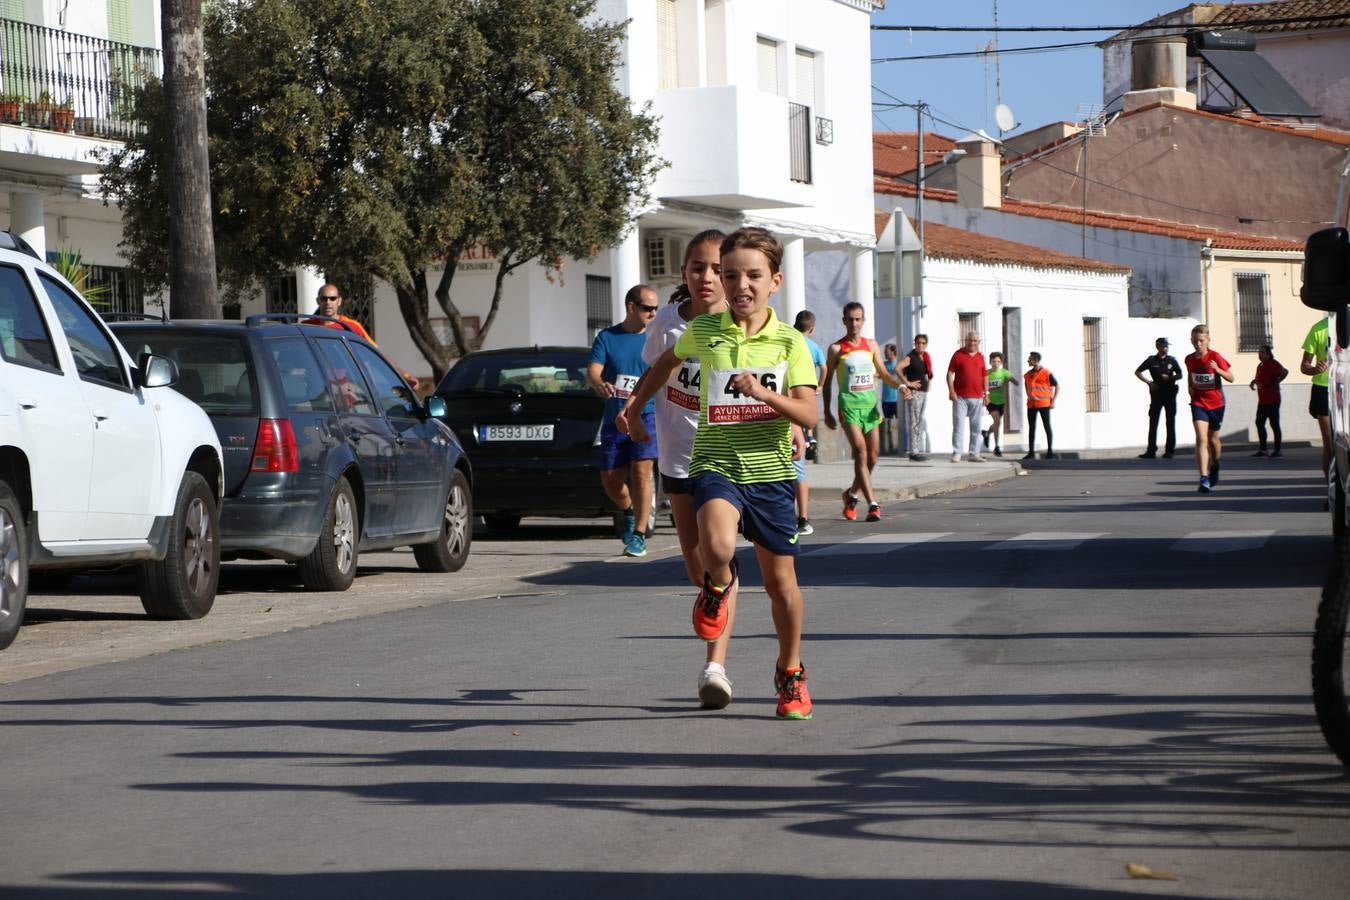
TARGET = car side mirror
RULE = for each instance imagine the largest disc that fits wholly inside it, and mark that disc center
(436, 407)
(1326, 271)
(156, 371)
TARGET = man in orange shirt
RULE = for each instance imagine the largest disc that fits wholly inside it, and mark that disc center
(329, 303)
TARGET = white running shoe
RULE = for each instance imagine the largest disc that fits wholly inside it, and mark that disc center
(714, 688)
(956, 457)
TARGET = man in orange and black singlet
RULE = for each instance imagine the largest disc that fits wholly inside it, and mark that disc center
(329, 303)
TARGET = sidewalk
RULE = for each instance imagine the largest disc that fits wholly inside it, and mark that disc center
(899, 479)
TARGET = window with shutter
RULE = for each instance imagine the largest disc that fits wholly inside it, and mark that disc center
(769, 79)
(667, 45)
(806, 78)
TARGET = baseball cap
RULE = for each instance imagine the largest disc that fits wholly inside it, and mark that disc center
(1163, 342)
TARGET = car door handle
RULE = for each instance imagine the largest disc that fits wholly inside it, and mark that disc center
(26, 404)
(399, 440)
(101, 415)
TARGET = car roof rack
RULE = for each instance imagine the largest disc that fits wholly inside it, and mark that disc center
(296, 319)
(11, 241)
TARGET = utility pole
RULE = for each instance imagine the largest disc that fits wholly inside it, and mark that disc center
(192, 246)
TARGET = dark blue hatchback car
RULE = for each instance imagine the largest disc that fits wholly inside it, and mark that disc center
(327, 450)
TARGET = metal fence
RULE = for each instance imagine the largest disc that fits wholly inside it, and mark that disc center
(799, 137)
(71, 82)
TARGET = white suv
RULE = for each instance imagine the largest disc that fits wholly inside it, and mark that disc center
(100, 463)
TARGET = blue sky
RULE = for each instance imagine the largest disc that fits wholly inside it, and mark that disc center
(1040, 87)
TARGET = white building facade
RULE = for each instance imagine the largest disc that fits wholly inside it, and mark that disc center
(64, 68)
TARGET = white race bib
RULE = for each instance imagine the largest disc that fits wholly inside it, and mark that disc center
(861, 371)
(624, 385)
(727, 406)
(1202, 379)
(682, 388)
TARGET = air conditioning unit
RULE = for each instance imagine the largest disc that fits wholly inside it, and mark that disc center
(663, 255)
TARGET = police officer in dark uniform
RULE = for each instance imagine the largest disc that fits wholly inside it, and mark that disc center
(1164, 373)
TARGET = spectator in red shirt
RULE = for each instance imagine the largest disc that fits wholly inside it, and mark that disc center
(966, 390)
(1266, 383)
(1204, 369)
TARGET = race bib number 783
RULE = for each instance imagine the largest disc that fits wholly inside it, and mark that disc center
(728, 406)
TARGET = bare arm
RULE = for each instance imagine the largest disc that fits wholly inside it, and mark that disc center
(797, 406)
(1310, 365)
(951, 385)
(597, 383)
(831, 363)
(646, 389)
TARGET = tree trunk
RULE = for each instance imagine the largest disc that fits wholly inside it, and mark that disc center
(192, 248)
(413, 305)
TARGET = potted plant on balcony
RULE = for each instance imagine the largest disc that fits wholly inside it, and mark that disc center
(11, 108)
(38, 113)
(63, 116)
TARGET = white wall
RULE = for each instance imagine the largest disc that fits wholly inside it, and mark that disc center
(1058, 300)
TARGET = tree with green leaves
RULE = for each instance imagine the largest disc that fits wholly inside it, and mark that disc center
(393, 135)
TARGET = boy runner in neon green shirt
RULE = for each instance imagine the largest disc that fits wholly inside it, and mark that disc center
(998, 381)
(757, 382)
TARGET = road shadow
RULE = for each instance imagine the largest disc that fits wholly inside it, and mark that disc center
(539, 884)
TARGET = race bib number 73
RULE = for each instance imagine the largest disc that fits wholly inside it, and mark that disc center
(728, 406)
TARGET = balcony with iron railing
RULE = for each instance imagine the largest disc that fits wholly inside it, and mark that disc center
(59, 81)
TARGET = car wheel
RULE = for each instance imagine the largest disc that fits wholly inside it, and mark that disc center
(501, 522)
(183, 584)
(1336, 500)
(450, 550)
(13, 566)
(331, 565)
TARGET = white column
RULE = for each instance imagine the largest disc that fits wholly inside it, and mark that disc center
(794, 279)
(625, 271)
(860, 285)
(25, 219)
(307, 284)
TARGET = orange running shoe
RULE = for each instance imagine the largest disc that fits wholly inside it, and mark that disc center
(710, 609)
(794, 702)
(850, 507)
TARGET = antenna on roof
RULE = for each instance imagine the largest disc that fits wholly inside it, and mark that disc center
(1093, 117)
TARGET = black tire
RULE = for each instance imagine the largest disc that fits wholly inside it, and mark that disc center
(450, 551)
(331, 565)
(1328, 657)
(13, 566)
(501, 522)
(183, 584)
(1336, 497)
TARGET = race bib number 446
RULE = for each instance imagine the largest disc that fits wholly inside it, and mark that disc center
(682, 389)
(728, 406)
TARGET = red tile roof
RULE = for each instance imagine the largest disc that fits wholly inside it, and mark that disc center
(946, 242)
(897, 152)
(1299, 11)
(1225, 240)
(1317, 133)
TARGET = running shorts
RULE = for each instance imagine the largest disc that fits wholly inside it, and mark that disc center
(768, 510)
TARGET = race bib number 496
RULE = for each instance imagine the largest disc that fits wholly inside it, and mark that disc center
(728, 406)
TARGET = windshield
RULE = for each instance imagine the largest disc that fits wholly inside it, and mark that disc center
(214, 371)
(528, 372)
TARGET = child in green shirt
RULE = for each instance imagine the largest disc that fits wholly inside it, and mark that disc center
(998, 381)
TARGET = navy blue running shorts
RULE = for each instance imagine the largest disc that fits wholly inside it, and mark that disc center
(1213, 416)
(768, 510)
(673, 485)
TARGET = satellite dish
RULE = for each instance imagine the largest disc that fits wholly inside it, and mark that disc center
(1004, 117)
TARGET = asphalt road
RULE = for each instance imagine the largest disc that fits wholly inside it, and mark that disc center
(1019, 691)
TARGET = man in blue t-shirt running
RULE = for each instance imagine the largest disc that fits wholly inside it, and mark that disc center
(615, 367)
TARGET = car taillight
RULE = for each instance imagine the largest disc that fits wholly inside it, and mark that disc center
(275, 450)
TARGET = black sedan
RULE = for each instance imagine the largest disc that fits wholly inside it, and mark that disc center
(531, 426)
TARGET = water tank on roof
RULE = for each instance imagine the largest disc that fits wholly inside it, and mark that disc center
(1158, 63)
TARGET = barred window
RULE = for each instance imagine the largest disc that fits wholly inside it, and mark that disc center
(1094, 365)
(966, 323)
(125, 292)
(281, 295)
(1253, 312)
(598, 308)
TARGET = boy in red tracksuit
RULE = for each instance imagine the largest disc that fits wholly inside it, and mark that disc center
(1204, 369)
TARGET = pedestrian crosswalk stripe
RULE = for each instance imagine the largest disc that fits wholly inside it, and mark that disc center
(1047, 540)
(1222, 541)
(876, 543)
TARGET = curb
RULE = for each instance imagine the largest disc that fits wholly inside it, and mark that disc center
(932, 488)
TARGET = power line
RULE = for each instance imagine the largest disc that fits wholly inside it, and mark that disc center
(965, 54)
(1004, 29)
